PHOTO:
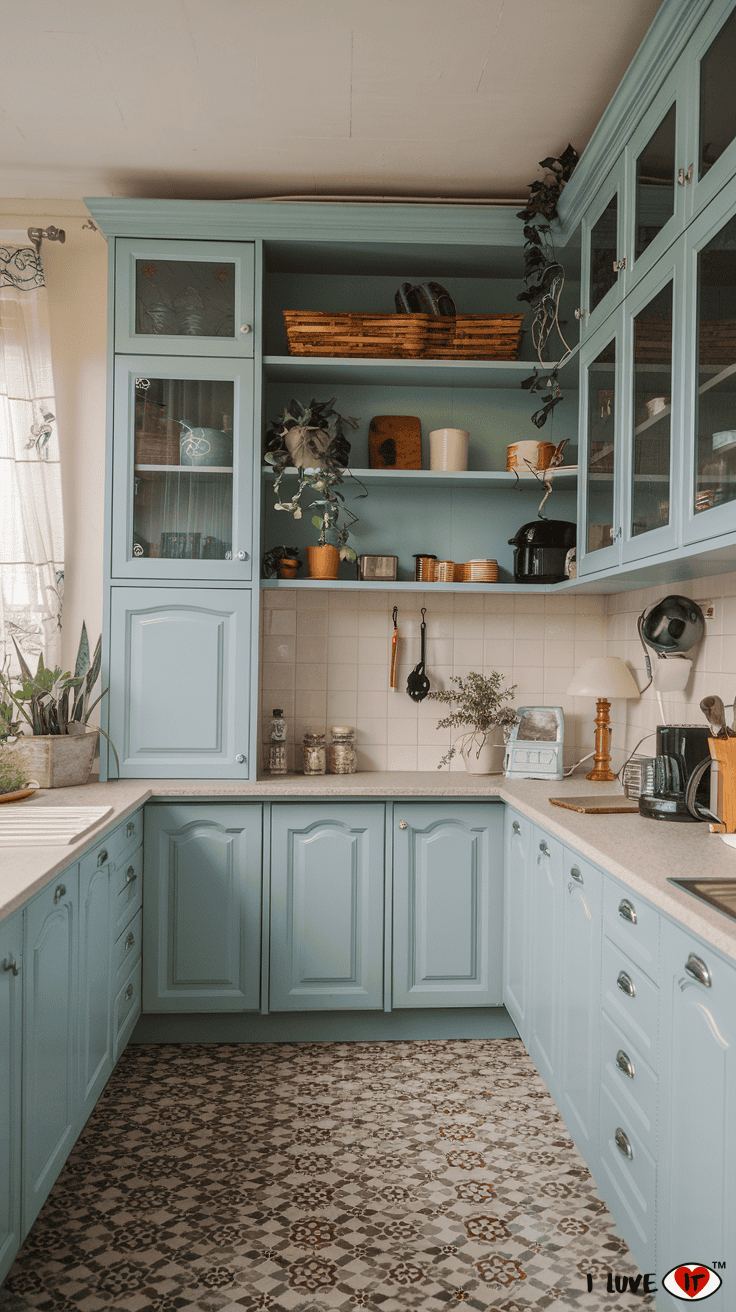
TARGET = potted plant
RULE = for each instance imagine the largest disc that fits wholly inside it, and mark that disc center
(59, 750)
(312, 439)
(12, 777)
(281, 561)
(479, 705)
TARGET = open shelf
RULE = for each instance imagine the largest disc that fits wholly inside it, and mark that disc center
(404, 585)
(183, 469)
(316, 370)
(565, 477)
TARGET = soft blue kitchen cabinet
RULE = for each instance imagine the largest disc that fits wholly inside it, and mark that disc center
(50, 1097)
(546, 957)
(11, 964)
(696, 1206)
(603, 240)
(601, 452)
(183, 469)
(95, 979)
(184, 297)
(327, 897)
(580, 1001)
(202, 908)
(448, 905)
(517, 910)
(180, 682)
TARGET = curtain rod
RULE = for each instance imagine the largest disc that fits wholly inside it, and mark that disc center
(36, 235)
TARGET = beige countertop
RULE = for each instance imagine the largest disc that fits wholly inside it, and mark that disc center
(641, 853)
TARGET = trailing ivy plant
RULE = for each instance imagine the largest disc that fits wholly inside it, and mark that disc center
(544, 276)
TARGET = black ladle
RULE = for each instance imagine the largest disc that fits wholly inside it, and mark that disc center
(417, 685)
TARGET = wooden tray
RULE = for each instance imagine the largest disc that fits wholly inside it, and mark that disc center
(592, 805)
(17, 797)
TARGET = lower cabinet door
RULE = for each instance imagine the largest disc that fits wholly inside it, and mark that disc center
(95, 983)
(517, 861)
(696, 1205)
(50, 1061)
(546, 889)
(448, 905)
(580, 1009)
(202, 907)
(327, 876)
(11, 964)
(180, 682)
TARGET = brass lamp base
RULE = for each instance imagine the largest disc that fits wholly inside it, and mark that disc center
(601, 772)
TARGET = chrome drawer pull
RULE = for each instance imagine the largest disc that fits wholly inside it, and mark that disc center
(130, 829)
(10, 965)
(102, 858)
(129, 993)
(516, 827)
(624, 1063)
(623, 1144)
(130, 940)
(575, 872)
(130, 876)
(59, 894)
(626, 911)
(544, 848)
(698, 970)
(626, 983)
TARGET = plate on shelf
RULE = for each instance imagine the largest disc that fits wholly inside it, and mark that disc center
(18, 797)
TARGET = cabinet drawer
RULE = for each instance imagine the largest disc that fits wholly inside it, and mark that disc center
(633, 1179)
(128, 889)
(130, 833)
(634, 924)
(631, 1000)
(128, 948)
(633, 1085)
(127, 1009)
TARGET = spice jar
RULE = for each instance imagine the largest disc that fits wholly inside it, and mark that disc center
(314, 753)
(277, 744)
(342, 757)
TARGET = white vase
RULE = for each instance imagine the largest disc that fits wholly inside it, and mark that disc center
(448, 449)
(483, 755)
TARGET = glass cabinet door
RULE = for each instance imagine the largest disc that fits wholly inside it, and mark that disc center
(713, 53)
(711, 507)
(182, 468)
(603, 260)
(598, 520)
(654, 157)
(184, 297)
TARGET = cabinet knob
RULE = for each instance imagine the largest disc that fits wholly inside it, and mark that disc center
(11, 965)
(130, 940)
(403, 824)
(240, 758)
(627, 911)
(623, 1144)
(544, 848)
(698, 970)
(575, 872)
(684, 176)
(130, 829)
(581, 312)
(129, 993)
(245, 327)
(618, 265)
(626, 984)
(624, 1063)
(102, 857)
(241, 555)
(130, 875)
(60, 893)
(516, 827)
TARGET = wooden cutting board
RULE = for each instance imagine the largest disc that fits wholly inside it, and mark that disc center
(613, 805)
(395, 442)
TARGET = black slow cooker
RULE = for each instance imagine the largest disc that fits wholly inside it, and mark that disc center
(540, 550)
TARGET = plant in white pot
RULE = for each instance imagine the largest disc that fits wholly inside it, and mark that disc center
(480, 711)
(59, 750)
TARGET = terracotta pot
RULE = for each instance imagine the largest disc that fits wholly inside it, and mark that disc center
(288, 567)
(322, 562)
(57, 760)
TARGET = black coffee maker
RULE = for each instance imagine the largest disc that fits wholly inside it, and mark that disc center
(679, 787)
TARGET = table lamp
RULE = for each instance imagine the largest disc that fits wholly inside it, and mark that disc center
(603, 677)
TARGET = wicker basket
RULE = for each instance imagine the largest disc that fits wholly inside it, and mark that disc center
(474, 337)
(159, 447)
(371, 336)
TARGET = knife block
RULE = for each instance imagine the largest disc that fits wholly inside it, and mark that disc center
(723, 783)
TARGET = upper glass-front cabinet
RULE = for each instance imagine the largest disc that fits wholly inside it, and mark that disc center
(655, 179)
(182, 468)
(599, 516)
(184, 297)
(711, 68)
(603, 256)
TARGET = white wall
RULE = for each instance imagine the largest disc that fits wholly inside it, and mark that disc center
(76, 282)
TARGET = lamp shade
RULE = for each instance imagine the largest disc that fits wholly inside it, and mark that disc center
(603, 676)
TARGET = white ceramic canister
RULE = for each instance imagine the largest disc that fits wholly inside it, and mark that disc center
(448, 448)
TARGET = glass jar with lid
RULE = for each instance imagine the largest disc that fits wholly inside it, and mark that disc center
(341, 754)
(314, 753)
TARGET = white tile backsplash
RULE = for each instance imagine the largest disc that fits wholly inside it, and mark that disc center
(326, 661)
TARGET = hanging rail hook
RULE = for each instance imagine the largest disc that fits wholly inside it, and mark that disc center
(36, 235)
(396, 611)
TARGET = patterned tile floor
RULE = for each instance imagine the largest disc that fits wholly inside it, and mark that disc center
(318, 1176)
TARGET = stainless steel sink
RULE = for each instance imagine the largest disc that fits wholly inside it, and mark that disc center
(718, 893)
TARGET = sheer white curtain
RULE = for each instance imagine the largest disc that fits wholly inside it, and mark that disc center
(31, 522)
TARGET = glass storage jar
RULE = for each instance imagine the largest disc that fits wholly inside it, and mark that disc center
(341, 755)
(314, 753)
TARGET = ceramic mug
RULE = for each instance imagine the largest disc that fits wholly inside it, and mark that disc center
(448, 448)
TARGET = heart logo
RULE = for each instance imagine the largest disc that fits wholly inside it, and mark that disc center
(692, 1279)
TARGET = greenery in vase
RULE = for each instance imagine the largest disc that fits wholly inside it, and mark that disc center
(11, 778)
(479, 702)
(319, 449)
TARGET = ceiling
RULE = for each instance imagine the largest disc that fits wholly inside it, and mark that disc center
(252, 98)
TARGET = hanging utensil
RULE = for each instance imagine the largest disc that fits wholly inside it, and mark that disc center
(417, 685)
(394, 649)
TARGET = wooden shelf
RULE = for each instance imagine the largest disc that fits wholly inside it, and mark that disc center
(183, 469)
(317, 370)
(404, 585)
(565, 477)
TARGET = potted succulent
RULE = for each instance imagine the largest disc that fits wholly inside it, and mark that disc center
(281, 561)
(312, 439)
(479, 707)
(59, 750)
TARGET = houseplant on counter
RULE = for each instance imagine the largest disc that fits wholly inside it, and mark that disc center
(479, 706)
(59, 750)
(312, 440)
